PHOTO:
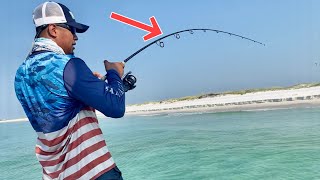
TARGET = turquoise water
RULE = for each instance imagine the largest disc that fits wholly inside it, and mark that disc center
(275, 144)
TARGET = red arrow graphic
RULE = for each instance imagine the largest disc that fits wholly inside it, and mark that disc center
(154, 30)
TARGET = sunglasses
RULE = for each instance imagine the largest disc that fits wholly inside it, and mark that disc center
(70, 28)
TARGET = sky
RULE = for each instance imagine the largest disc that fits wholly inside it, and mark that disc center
(196, 63)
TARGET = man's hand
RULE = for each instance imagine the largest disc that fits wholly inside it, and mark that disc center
(98, 75)
(118, 66)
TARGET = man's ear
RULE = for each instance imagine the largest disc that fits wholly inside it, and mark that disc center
(52, 30)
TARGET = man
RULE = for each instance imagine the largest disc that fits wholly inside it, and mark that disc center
(59, 93)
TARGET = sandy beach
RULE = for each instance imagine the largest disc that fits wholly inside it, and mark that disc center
(303, 97)
(14, 120)
(264, 100)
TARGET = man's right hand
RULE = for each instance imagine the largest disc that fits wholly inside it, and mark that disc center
(118, 66)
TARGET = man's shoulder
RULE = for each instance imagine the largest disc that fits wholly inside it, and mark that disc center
(48, 55)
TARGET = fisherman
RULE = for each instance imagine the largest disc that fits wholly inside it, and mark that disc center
(59, 95)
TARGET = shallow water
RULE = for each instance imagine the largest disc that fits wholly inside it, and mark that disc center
(274, 144)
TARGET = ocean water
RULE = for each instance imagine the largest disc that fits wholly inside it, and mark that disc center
(273, 144)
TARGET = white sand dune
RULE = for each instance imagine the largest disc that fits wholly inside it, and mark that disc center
(14, 120)
(303, 97)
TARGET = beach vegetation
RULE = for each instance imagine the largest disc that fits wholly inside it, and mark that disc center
(239, 92)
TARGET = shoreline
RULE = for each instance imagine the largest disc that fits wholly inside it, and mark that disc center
(266, 100)
(14, 120)
(232, 108)
(255, 101)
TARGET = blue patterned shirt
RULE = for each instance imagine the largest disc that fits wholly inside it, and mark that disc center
(53, 88)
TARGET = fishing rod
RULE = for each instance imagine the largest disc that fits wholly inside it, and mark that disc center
(130, 80)
(177, 35)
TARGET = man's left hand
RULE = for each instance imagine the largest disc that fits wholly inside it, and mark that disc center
(98, 75)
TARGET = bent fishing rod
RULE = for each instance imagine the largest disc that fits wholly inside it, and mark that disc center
(132, 80)
(191, 31)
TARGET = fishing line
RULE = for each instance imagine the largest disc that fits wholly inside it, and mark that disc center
(160, 43)
(191, 31)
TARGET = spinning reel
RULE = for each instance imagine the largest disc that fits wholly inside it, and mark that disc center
(129, 81)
